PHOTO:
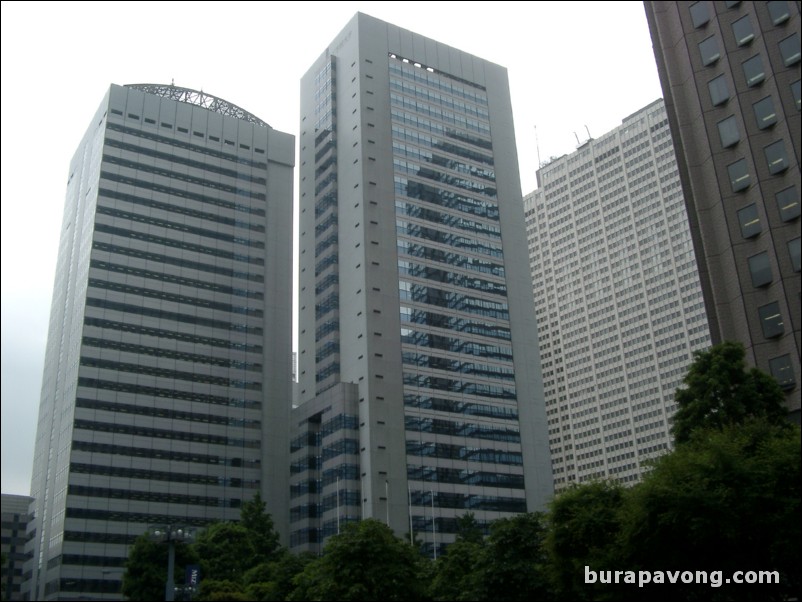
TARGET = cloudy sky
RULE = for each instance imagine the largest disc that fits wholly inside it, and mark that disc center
(574, 68)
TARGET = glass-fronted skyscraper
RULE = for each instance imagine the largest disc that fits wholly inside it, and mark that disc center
(166, 388)
(730, 73)
(618, 298)
(416, 315)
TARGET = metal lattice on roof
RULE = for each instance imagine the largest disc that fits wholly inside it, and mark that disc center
(199, 99)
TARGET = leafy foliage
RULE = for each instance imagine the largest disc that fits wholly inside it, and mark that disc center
(584, 525)
(729, 501)
(145, 574)
(720, 391)
(364, 562)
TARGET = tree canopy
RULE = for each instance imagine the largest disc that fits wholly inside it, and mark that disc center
(720, 391)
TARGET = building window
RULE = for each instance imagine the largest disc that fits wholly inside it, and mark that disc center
(708, 49)
(739, 175)
(788, 203)
(732, 3)
(765, 115)
(728, 131)
(770, 320)
(719, 90)
(778, 11)
(789, 50)
(700, 13)
(750, 221)
(753, 70)
(796, 92)
(776, 157)
(760, 269)
(782, 370)
(742, 29)
(793, 251)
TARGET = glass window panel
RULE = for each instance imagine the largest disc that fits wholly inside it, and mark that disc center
(796, 92)
(708, 49)
(749, 219)
(765, 115)
(739, 175)
(788, 203)
(760, 269)
(770, 320)
(783, 371)
(776, 157)
(789, 49)
(742, 29)
(719, 90)
(732, 3)
(700, 13)
(728, 131)
(778, 11)
(753, 70)
(793, 251)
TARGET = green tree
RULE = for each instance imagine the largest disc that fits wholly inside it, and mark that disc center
(458, 572)
(225, 551)
(720, 391)
(212, 590)
(364, 562)
(259, 524)
(145, 574)
(584, 527)
(726, 501)
(274, 580)
(514, 566)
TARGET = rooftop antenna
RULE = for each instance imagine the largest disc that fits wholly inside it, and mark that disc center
(578, 143)
(588, 131)
(537, 146)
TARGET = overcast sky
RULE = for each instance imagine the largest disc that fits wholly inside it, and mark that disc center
(574, 68)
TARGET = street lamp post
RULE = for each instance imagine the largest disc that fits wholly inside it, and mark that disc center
(170, 535)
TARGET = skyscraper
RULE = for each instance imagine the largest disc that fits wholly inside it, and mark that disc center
(730, 76)
(618, 299)
(14, 528)
(419, 379)
(166, 387)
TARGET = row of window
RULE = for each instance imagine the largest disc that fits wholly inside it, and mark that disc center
(461, 452)
(465, 476)
(165, 413)
(161, 475)
(172, 393)
(172, 434)
(177, 261)
(147, 135)
(154, 453)
(461, 429)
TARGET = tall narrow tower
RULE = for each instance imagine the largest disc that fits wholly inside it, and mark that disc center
(167, 374)
(419, 379)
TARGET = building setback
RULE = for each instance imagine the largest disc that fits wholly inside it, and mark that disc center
(618, 299)
(166, 389)
(730, 73)
(419, 378)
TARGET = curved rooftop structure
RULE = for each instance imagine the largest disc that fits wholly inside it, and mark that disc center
(200, 99)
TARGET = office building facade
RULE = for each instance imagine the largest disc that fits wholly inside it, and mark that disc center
(416, 319)
(730, 73)
(618, 299)
(14, 531)
(166, 388)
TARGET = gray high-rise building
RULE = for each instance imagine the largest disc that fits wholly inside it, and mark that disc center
(15, 517)
(730, 73)
(166, 389)
(419, 378)
(618, 298)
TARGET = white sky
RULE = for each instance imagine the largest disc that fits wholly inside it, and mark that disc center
(571, 65)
